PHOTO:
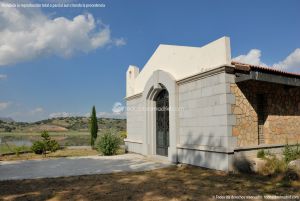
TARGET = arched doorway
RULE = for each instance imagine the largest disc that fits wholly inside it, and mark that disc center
(153, 90)
(162, 122)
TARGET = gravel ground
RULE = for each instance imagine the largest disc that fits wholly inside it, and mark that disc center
(74, 166)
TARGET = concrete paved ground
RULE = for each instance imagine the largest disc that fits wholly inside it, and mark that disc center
(71, 166)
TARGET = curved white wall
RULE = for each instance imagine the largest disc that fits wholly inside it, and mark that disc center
(181, 62)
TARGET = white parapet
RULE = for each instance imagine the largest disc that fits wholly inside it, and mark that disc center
(180, 62)
(131, 75)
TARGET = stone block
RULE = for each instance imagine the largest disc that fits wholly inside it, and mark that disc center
(212, 160)
(222, 109)
(207, 91)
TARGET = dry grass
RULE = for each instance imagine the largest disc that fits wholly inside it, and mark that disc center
(274, 166)
(173, 183)
(57, 154)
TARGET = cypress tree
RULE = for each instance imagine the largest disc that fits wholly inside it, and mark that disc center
(93, 126)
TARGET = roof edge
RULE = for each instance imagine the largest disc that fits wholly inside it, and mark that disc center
(248, 67)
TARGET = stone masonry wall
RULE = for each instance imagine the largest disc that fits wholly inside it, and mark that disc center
(206, 119)
(135, 119)
(282, 113)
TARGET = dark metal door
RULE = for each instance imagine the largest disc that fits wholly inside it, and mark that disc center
(261, 117)
(162, 123)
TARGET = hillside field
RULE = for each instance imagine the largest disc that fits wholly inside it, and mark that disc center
(60, 124)
(68, 131)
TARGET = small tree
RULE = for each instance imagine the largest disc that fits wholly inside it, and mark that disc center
(93, 126)
(47, 144)
(46, 140)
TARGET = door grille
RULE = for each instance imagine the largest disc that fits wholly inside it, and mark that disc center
(162, 123)
(261, 117)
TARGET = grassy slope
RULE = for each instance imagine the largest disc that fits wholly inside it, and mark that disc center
(12, 148)
(70, 123)
(70, 138)
(57, 154)
(76, 134)
(19, 133)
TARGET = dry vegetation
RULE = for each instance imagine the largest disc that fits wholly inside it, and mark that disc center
(173, 183)
(60, 124)
(57, 154)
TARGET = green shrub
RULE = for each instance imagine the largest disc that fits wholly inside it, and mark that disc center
(67, 144)
(53, 146)
(261, 153)
(123, 134)
(38, 147)
(291, 153)
(18, 150)
(47, 144)
(45, 136)
(108, 142)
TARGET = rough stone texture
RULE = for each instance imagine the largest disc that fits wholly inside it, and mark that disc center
(294, 169)
(282, 122)
(295, 165)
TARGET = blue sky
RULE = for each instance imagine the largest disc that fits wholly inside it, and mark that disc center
(60, 78)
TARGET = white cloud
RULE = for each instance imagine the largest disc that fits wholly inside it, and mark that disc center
(28, 33)
(290, 63)
(99, 115)
(60, 114)
(37, 110)
(118, 108)
(118, 112)
(58, 1)
(253, 57)
(120, 42)
(4, 105)
(3, 76)
(111, 115)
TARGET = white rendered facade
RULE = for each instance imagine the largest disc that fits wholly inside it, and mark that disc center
(200, 120)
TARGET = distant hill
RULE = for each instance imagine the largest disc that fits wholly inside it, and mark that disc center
(61, 124)
(6, 119)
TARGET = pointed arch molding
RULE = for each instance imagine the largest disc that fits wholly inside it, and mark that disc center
(159, 80)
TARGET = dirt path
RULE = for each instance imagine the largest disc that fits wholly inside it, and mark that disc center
(74, 166)
(172, 183)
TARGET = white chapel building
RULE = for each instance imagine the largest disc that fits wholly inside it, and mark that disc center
(186, 104)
